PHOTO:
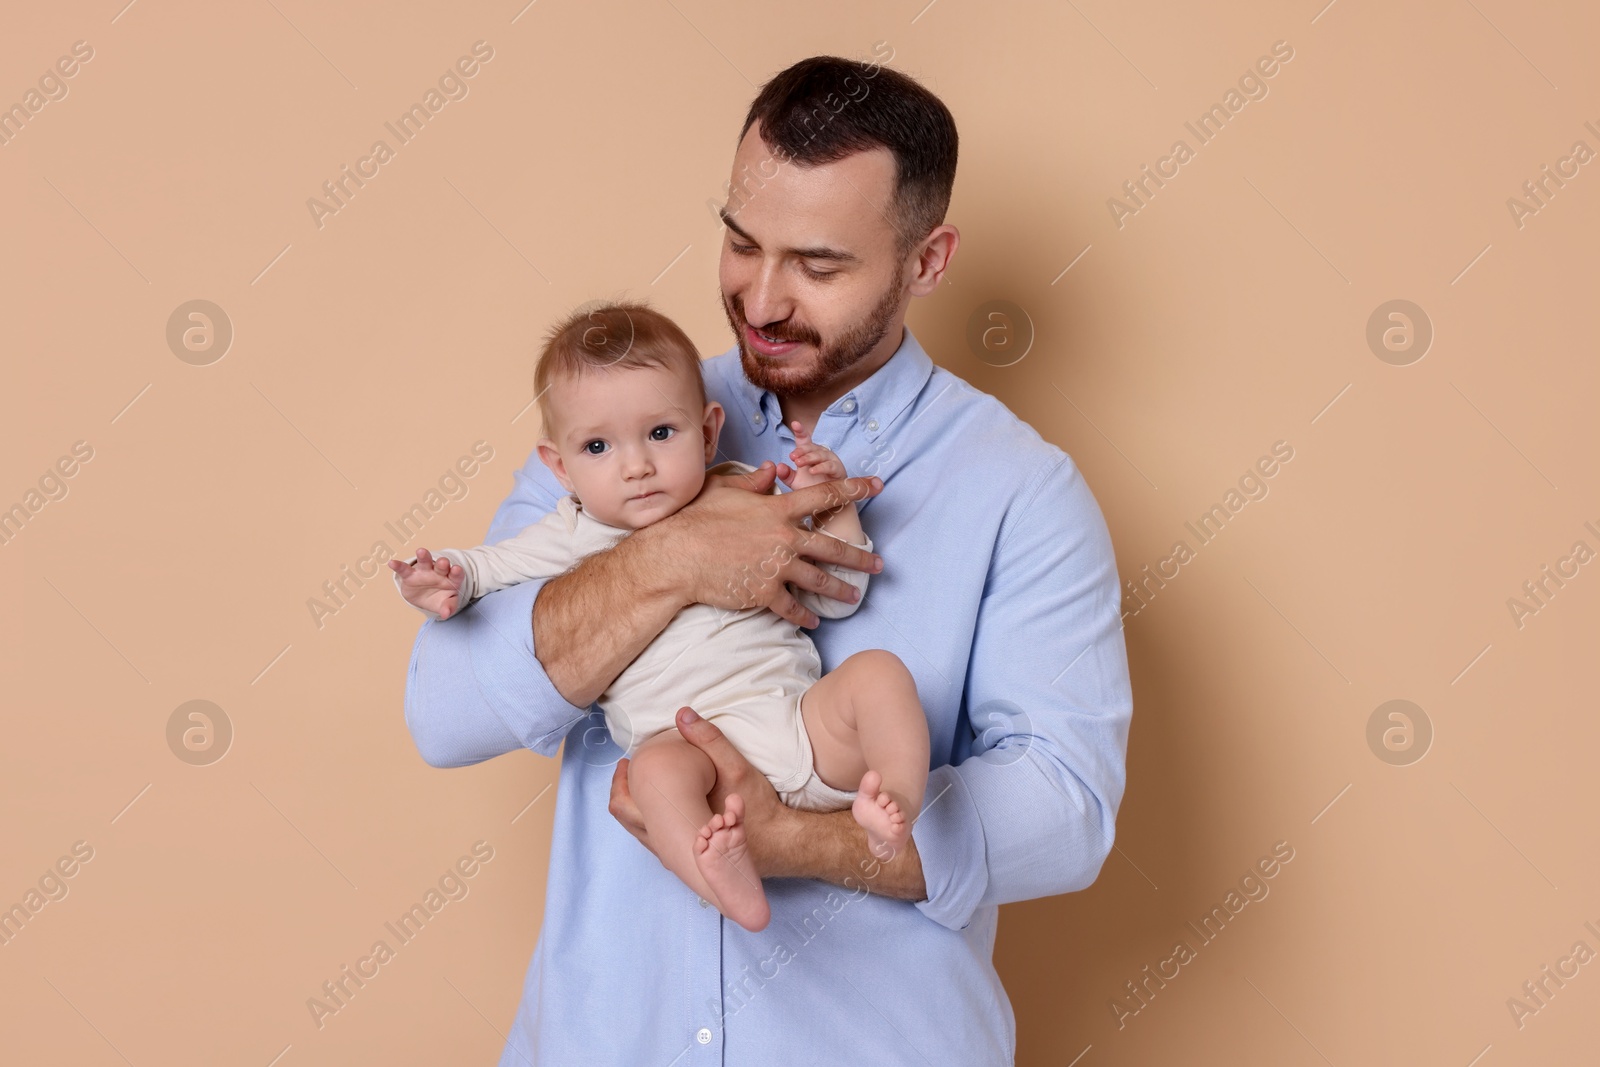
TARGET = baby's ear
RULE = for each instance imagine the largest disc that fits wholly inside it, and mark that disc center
(552, 459)
(711, 427)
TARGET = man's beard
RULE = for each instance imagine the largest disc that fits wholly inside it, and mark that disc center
(833, 359)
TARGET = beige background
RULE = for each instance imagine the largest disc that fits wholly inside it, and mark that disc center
(369, 354)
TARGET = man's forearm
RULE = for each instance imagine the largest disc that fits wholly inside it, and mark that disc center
(593, 621)
(832, 846)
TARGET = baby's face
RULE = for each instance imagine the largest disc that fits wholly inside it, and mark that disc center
(632, 443)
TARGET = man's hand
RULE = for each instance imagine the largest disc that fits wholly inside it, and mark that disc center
(783, 842)
(434, 584)
(733, 547)
(738, 549)
(766, 817)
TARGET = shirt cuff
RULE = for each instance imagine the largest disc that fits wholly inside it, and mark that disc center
(951, 845)
(491, 648)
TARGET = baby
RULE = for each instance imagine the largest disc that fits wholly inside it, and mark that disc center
(629, 434)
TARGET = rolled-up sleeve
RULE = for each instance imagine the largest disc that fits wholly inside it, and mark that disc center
(1031, 812)
(474, 688)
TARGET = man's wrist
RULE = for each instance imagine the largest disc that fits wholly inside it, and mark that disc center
(617, 600)
(782, 852)
(653, 563)
(832, 847)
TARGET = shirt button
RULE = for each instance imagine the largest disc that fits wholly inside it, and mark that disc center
(704, 903)
(848, 405)
(757, 419)
(872, 424)
(703, 1036)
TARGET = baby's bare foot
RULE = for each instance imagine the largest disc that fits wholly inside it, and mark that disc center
(882, 819)
(724, 862)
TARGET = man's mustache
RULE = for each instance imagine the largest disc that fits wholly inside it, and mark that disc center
(783, 335)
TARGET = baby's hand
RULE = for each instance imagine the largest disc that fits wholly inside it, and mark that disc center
(814, 464)
(433, 584)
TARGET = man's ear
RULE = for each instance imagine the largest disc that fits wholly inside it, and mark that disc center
(932, 259)
(552, 459)
(711, 427)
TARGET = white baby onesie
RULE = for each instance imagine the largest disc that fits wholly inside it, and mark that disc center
(744, 670)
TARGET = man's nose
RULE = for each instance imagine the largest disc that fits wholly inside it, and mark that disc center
(767, 299)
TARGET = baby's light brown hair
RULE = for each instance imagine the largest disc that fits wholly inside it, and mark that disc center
(614, 334)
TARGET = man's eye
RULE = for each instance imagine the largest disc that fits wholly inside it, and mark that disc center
(591, 449)
(817, 273)
(741, 250)
(670, 430)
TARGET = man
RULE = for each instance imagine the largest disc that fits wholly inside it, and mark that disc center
(998, 590)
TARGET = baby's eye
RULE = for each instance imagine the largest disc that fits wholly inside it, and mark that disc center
(657, 435)
(590, 449)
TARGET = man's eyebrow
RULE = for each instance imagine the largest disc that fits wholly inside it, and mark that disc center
(837, 255)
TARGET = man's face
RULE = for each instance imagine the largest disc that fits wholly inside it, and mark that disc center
(810, 257)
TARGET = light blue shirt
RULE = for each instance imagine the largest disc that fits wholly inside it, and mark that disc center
(999, 591)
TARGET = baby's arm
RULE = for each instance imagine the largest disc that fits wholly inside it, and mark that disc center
(543, 550)
(431, 584)
(815, 464)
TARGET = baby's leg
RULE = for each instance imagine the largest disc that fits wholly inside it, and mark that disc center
(866, 725)
(669, 779)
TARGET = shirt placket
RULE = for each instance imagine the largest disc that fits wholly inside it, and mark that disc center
(704, 1044)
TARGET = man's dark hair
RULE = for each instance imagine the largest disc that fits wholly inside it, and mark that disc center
(825, 108)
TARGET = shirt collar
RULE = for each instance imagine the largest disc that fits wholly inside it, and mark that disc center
(873, 405)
